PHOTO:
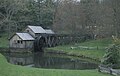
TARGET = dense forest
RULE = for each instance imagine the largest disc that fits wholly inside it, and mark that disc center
(98, 18)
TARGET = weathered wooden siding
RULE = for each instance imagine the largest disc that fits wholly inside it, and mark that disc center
(25, 44)
(39, 34)
(14, 42)
(29, 44)
(28, 30)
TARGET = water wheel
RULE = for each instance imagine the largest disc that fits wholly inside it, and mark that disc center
(39, 44)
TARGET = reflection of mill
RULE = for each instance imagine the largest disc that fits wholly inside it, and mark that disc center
(20, 59)
(49, 61)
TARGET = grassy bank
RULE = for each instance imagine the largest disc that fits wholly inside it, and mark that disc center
(7, 69)
(94, 49)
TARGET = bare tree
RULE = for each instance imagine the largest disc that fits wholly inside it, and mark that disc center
(9, 8)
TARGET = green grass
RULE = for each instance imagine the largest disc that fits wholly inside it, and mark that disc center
(96, 53)
(7, 69)
(100, 42)
(4, 41)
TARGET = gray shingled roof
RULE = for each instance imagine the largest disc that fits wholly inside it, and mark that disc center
(25, 36)
(37, 29)
(49, 31)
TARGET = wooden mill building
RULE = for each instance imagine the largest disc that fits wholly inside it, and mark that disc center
(21, 40)
(35, 31)
(30, 35)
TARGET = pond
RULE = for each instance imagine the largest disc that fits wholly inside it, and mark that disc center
(49, 61)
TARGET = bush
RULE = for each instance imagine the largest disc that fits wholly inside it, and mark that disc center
(112, 55)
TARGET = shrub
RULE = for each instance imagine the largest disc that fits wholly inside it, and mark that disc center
(112, 55)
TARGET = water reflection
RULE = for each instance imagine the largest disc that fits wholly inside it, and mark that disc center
(19, 59)
(49, 61)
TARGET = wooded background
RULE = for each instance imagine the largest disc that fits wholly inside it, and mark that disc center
(98, 18)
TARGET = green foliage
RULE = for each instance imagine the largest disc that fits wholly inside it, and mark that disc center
(41, 12)
(112, 55)
(4, 41)
(15, 15)
(7, 69)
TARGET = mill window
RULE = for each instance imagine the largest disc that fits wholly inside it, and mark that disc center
(21, 42)
(18, 41)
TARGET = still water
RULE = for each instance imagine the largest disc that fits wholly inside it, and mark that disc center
(49, 61)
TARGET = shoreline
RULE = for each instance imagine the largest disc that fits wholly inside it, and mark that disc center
(26, 71)
(15, 50)
(67, 53)
(4, 49)
(7, 50)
